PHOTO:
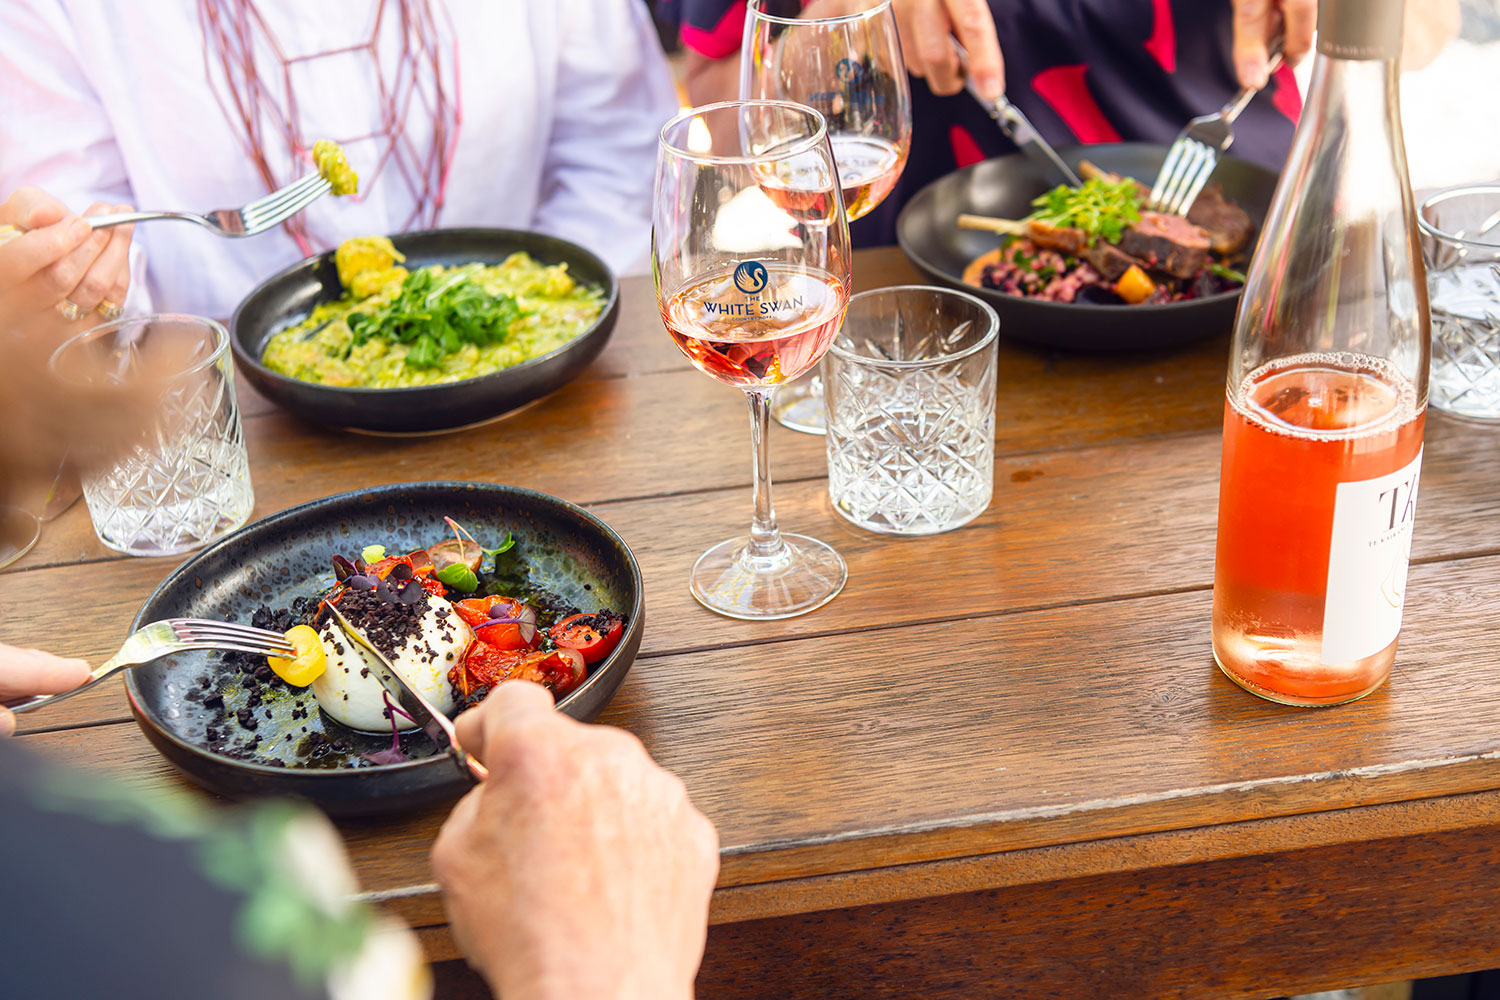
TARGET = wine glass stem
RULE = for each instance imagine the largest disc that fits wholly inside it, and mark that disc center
(765, 540)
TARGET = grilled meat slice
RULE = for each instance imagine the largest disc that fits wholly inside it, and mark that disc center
(1167, 243)
(1065, 240)
(1228, 227)
(1110, 261)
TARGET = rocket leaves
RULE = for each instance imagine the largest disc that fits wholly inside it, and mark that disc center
(436, 314)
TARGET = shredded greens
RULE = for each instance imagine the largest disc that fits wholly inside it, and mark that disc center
(436, 314)
(1227, 273)
(1097, 206)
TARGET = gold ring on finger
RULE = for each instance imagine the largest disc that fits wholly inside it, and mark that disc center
(71, 311)
(110, 310)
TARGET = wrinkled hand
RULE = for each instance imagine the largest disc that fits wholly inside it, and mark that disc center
(26, 672)
(926, 27)
(57, 257)
(1255, 21)
(579, 870)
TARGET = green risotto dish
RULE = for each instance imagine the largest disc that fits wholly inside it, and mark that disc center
(396, 328)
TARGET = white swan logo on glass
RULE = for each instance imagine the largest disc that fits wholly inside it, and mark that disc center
(750, 277)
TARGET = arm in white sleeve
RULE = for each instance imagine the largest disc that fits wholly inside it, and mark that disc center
(614, 93)
(54, 131)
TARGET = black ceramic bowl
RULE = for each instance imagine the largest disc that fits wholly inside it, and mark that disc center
(287, 298)
(1004, 187)
(568, 551)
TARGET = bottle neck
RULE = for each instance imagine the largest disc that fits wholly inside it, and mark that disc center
(1352, 111)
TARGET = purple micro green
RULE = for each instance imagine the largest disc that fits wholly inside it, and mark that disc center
(394, 754)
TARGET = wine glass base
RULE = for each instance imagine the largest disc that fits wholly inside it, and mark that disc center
(798, 406)
(805, 575)
(19, 531)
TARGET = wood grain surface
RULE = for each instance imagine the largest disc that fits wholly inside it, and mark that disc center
(1001, 762)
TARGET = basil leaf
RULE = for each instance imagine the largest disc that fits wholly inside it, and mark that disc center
(504, 546)
(459, 577)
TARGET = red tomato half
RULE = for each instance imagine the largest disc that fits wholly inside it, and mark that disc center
(595, 636)
(487, 665)
(561, 670)
(382, 569)
(475, 610)
(509, 635)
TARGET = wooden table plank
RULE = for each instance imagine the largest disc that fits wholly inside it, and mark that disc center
(1067, 527)
(878, 749)
(1251, 927)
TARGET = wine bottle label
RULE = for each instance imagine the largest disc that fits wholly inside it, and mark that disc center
(1367, 560)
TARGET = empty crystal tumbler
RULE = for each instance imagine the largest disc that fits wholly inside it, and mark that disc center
(1461, 248)
(184, 479)
(909, 390)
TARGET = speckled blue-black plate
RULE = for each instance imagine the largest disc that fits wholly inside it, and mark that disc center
(567, 552)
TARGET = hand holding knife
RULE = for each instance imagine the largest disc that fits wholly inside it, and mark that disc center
(434, 723)
(1016, 126)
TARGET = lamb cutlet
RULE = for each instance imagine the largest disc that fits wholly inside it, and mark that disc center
(1063, 239)
(1110, 261)
(1167, 243)
(1228, 226)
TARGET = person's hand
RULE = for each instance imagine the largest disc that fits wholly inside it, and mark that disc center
(580, 868)
(26, 672)
(1255, 21)
(926, 27)
(58, 259)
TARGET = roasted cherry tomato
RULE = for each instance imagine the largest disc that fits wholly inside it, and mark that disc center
(488, 665)
(310, 661)
(595, 636)
(419, 562)
(477, 609)
(560, 670)
(480, 611)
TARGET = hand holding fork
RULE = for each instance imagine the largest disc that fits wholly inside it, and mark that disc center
(28, 670)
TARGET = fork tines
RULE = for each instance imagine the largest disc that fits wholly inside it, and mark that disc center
(282, 204)
(1183, 175)
(207, 634)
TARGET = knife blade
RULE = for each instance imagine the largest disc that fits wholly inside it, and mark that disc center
(1017, 128)
(423, 712)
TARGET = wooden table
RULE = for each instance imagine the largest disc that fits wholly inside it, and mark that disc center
(1001, 763)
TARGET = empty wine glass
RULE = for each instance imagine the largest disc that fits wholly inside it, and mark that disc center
(750, 252)
(846, 64)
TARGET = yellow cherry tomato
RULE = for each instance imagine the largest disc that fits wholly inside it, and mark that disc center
(309, 663)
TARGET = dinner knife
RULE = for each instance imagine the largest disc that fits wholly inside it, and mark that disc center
(1017, 128)
(424, 713)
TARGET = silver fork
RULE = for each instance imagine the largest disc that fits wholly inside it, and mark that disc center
(173, 635)
(1196, 150)
(256, 217)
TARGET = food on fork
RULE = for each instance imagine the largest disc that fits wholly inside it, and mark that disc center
(1096, 244)
(395, 327)
(334, 166)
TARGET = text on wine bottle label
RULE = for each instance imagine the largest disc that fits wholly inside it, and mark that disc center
(1367, 560)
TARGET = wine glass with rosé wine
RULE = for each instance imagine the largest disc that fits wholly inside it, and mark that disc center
(752, 279)
(842, 58)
